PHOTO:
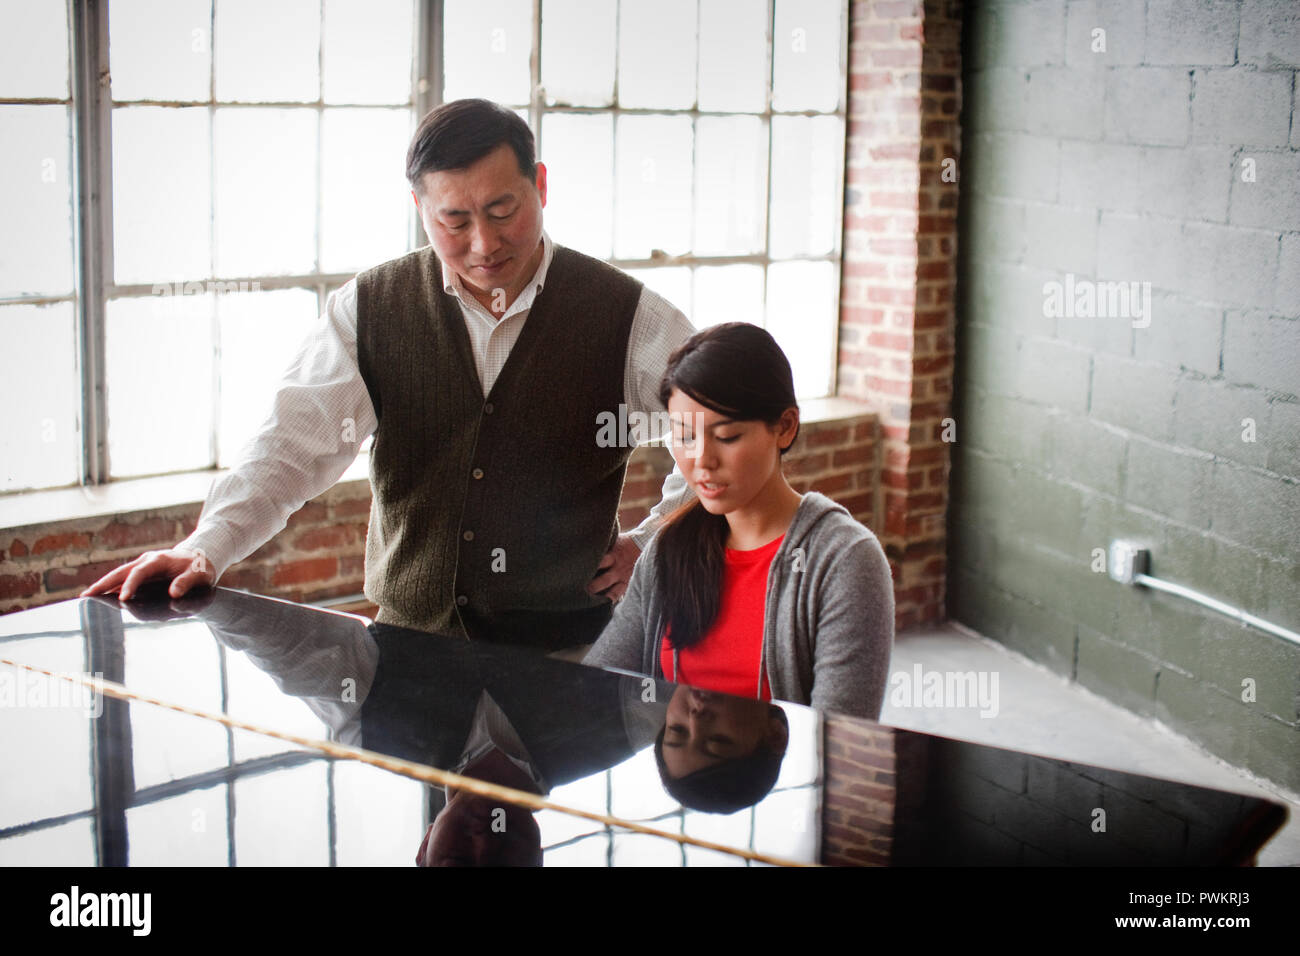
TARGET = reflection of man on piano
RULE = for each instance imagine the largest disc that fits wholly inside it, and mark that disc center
(473, 709)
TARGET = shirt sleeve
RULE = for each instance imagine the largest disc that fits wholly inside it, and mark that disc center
(622, 644)
(658, 329)
(321, 414)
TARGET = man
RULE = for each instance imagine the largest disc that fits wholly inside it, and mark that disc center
(482, 364)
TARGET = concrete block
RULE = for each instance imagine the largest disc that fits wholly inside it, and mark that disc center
(1262, 350)
(1061, 238)
(1193, 32)
(1209, 415)
(1104, 176)
(1048, 513)
(1124, 24)
(1270, 35)
(1274, 750)
(1255, 509)
(1087, 452)
(1251, 662)
(1007, 296)
(1280, 440)
(1186, 182)
(996, 100)
(1210, 564)
(1182, 334)
(1068, 103)
(1014, 166)
(1008, 428)
(1148, 105)
(1116, 672)
(1168, 481)
(996, 231)
(1242, 107)
(1018, 34)
(1038, 633)
(1139, 248)
(1062, 788)
(1286, 290)
(1191, 708)
(992, 359)
(1272, 201)
(1229, 265)
(1055, 373)
(1133, 395)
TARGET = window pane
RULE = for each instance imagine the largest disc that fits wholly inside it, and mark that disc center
(801, 317)
(186, 830)
(70, 844)
(368, 51)
(733, 55)
(671, 282)
(160, 51)
(252, 696)
(730, 185)
(728, 294)
(39, 386)
(52, 740)
(161, 194)
(656, 53)
(486, 47)
(806, 51)
(268, 52)
(366, 206)
(807, 158)
(578, 51)
(260, 334)
(36, 196)
(181, 664)
(282, 818)
(374, 839)
(33, 49)
(579, 155)
(265, 191)
(653, 186)
(159, 367)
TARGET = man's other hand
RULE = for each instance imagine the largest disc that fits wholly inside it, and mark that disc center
(615, 568)
(185, 569)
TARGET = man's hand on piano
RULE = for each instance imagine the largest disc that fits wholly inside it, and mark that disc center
(184, 568)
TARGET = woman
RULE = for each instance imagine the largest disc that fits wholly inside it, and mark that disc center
(752, 589)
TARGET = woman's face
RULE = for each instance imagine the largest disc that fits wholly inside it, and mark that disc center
(704, 729)
(727, 463)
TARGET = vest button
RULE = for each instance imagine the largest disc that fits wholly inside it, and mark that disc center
(477, 472)
(462, 600)
(469, 535)
(487, 409)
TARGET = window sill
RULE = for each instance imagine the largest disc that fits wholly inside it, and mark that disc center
(128, 496)
(136, 495)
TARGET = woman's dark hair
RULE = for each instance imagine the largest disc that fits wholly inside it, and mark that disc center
(730, 785)
(456, 135)
(736, 369)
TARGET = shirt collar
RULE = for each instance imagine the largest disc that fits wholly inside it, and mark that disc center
(452, 285)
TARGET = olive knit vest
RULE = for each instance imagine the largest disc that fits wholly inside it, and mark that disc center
(490, 517)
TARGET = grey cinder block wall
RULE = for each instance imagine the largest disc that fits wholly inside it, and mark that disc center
(1155, 144)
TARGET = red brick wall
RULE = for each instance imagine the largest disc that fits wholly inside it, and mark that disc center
(321, 552)
(898, 278)
(858, 796)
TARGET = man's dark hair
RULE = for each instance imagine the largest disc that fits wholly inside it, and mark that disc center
(458, 134)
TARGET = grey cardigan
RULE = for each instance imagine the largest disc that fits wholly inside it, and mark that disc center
(828, 625)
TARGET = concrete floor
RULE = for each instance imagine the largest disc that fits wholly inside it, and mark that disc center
(1043, 713)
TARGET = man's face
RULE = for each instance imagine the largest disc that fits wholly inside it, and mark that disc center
(485, 223)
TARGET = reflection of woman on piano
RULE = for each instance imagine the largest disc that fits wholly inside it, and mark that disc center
(752, 588)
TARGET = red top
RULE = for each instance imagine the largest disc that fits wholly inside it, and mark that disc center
(728, 658)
